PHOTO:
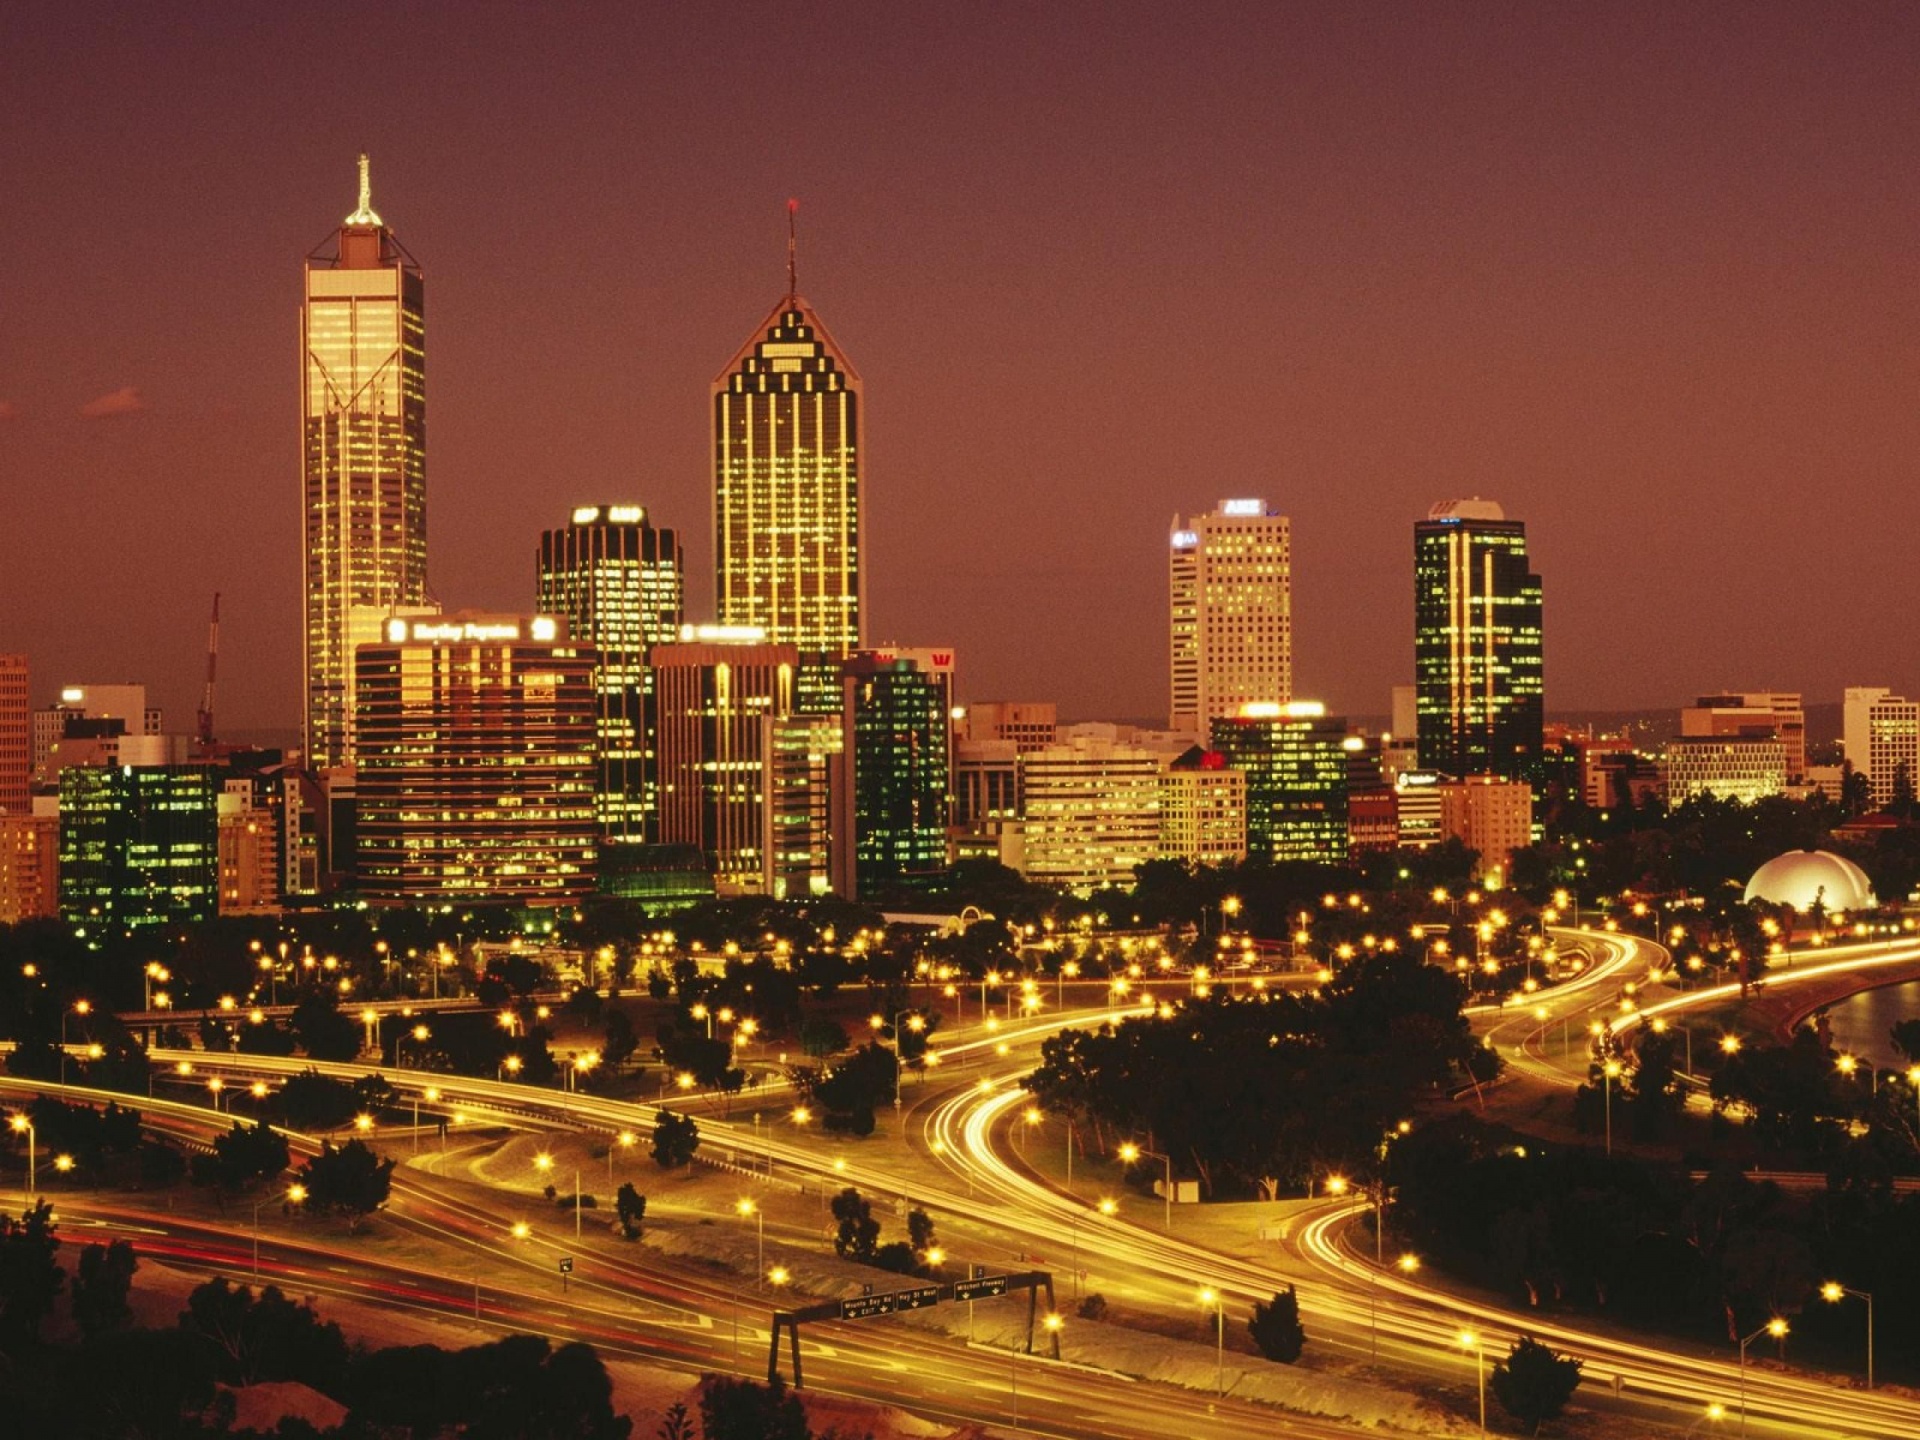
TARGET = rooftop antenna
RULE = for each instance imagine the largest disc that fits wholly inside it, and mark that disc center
(364, 215)
(793, 241)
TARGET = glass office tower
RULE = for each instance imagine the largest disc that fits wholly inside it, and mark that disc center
(788, 502)
(363, 436)
(1479, 655)
(618, 582)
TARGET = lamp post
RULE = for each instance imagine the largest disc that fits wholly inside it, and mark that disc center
(1775, 1327)
(625, 1140)
(80, 1007)
(1833, 1292)
(1211, 1296)
(1471, 1341)
(1607, 1073)
(746, 1208)
(1130, 1152)
(433, 1098)
(23, 1126)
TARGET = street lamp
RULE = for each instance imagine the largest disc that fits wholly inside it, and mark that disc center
(294, 1193)
(363, 1123)
(82, 1008)
(1608, 1073)
(432, 1095)
(1775, 1327)
(1833, 1292)
(1471, 1341)
(1210, 1296)
(746, 1208)
(1131, 1152)
(625, 1140)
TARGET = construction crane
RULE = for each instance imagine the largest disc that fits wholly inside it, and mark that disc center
(213, 656)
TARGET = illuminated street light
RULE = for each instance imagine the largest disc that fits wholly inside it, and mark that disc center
(1833, 1292)
(1775, 1327)
(1471, 1341)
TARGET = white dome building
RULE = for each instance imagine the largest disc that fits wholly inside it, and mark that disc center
(1802, 878)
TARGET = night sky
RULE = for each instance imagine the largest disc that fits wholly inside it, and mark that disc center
(1645, 275)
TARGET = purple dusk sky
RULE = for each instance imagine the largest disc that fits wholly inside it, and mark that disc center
(1643, 274)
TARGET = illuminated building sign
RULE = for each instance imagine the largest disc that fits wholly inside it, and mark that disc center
(723, 634)
(586, 515)
(1243, 507)
(1185, 539)
(468, 632)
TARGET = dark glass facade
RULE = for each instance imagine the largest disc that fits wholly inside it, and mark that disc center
(139, 845)
(1295, 762)
(617, 581)
(895, 770)
(1479, 653)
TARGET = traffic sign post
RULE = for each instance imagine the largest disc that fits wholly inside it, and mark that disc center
(566, 1269)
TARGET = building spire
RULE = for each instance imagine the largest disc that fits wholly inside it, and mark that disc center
(364, 215)
(793, 245)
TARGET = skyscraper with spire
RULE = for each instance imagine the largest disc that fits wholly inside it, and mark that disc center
(363, 438)
(787, 496)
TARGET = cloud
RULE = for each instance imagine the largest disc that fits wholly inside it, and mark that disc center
(124, 401)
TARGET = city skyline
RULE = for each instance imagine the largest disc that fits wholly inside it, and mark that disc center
(1612, 376)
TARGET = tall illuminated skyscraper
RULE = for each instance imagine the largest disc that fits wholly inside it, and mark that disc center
(363, 437)
(1230, 601)
(617, 581)
(787, 497)
(1478, 652)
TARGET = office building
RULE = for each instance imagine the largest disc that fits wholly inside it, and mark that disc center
(617, 581)
(1491, 817)
(1029, 724)
(1092, 813)
(30, 864)
(249, 853)
(16, 735)
(789, 494)
(1295, 760)
(1229, 592)
(1880, 736)
(1478, 650)
(363, 436)
(986, 781)
(719, 691)
(1418, 810)
(801, 754)
(1203, 810)
(474, 781)
(1752, 714)
(84, 727)
(139, 846)
(893, 778)
(1373, 819)
(1744, 768)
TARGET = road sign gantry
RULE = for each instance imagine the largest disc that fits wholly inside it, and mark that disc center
(917, 1297)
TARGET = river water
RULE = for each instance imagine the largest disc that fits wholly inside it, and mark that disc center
(1860, 1022)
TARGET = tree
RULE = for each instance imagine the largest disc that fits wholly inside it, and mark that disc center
(619, 1041)
(265, 1336)
(1533, 1383)
(244, 1153)
(30, 1278)
(746, 1410)
(675, 1138)
(631, 1206)
(325, 1034)
(675, 1424)
(920, 1230)
(1276, 1329)
(100, 1288)
(859, 1232)
(312, 1101)
(821, 1036)
(348, 1179)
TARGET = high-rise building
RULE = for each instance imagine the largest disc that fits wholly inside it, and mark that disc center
(16, 735)
(1880, 736)
(720, 690)
(801, 755)
(1493, 818)
(1753, 715)
(1092, 812)
(1230, 596)
(893, 790)
(1295, 760)
(139, 845)
(1029, 724)
(29, 865)
(84, 727)
(788, 495)
(1477, 642)
(1203, 810)
(475, 774)
(363, 437)
(1742, 768)
(617, 581)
